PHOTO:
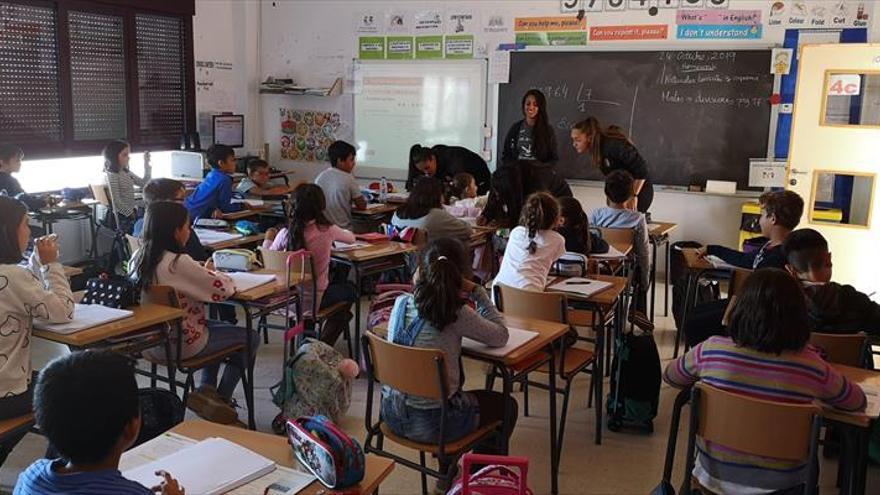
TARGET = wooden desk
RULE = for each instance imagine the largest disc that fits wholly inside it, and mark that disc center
(548, 334)
(381, 210)
(277, 449)
(658, 234)
(71, 271)
(271, 288)
(247, 213)
(366, 261)
(235, 243)
(856, 429)
(145, 315)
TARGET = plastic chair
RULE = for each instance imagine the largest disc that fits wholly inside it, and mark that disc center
(756, 427)
(551, 306)
(409, 370)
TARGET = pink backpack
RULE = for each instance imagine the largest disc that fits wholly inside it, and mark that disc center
(497, 478)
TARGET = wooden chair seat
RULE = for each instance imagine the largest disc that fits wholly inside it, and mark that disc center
(12, 425)
(453, 448)
(329, 311)
(576, 359)
(198, 362)
(528, 362)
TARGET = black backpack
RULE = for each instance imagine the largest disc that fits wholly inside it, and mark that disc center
(635, 384)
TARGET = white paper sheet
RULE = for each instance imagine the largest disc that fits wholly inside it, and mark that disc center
(157, 448)
(340, 246)
(580, 286)
(719, 263)
(212, 466)
(85, 316)
(517, 337)
(499, 67)
(245, 281)
(288, 481)
(612, 254)
(209, 236)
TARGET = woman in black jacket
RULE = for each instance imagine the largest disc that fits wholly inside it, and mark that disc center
(610, 149)
(443, 162)
(531, 138)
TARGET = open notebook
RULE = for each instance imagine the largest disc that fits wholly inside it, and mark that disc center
(212, 466)
(85, 316)
(516, 338)
(580, 286)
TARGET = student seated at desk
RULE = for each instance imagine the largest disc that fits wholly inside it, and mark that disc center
(10, 163)
(575, 227)
(170, 190)
(780, 213)
(533, 246)
(423, 210)
(463, 193)
(257, 184)
(38, 291)
(833, 308)
(339, 185)
(310, 230)
(162, 260)
(621, 213)
(121, 181)
(436, 316)
(213, 196)
(765, 357)
(87, 405)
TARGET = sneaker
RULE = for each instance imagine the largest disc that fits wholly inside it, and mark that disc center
(213, 409)
(639, 319)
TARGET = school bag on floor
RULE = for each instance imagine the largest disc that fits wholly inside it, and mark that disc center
(635, 383)
(312, 384)
(496, 478)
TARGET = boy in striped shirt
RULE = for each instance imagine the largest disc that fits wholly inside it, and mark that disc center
(766, 357)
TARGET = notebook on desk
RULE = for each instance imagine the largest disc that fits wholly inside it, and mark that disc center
(245, 281)
(208, 236)
(85, 316)
(212, 466)
(580, 286)
(517, 337)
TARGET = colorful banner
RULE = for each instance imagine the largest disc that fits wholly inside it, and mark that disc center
(429, 47)
(459, 46)
(576, 38)
(399, 47)
(622, 33)
(545, 24)
(839, 14)
(691, 32)
(371, 47)
(719, 17)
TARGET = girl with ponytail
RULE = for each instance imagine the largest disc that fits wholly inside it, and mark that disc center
(610, 149)
(533, 246)
(437, 316)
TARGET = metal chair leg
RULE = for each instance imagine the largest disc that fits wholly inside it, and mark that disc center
(154, 370)
(526, 397)
(565, 397)
(422, 472)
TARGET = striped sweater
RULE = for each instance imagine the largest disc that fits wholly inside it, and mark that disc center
(794, 377)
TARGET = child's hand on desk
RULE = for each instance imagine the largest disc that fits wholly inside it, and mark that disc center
(169, 485)
(271, 233)
(701, 252)
(209, 264)
(47, 249)
(217, 215)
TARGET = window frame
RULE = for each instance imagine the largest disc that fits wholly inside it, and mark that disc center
(127, 9)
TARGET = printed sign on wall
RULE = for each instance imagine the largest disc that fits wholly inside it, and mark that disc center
(626, 33)
(306, 134)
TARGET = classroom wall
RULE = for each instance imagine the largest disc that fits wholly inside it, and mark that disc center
(315, 41)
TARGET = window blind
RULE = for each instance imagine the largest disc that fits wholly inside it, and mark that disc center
(162, 81)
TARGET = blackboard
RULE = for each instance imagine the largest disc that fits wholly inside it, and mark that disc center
(693, 115)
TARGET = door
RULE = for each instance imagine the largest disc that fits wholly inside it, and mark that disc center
(835, 155)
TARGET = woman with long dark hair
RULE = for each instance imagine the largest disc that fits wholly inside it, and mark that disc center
(444, 162)
(531, 138)
(609, 149)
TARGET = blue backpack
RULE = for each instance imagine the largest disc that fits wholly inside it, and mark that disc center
(336, 459)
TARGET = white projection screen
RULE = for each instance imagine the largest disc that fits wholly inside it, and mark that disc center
(401, 103)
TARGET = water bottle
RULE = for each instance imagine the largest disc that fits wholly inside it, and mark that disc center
(383, 190)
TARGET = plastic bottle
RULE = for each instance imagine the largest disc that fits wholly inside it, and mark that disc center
(383, 190)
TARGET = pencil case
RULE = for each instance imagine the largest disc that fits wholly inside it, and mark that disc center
(336, 459)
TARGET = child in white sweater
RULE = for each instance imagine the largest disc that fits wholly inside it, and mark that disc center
(162, 260)
(533, 246)
(39, 291)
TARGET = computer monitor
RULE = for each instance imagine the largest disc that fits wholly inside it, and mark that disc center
(229, 130)
(187, 165)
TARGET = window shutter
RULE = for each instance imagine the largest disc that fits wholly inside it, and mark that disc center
(97, 76)
(30, 103)
(161, 79)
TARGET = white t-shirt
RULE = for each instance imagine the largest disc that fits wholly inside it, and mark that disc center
(340, 189)
(521, 269)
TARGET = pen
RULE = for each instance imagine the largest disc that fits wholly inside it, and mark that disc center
(578, 282)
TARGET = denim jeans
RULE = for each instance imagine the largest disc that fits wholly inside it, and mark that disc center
(423, 425)
(222, 335)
